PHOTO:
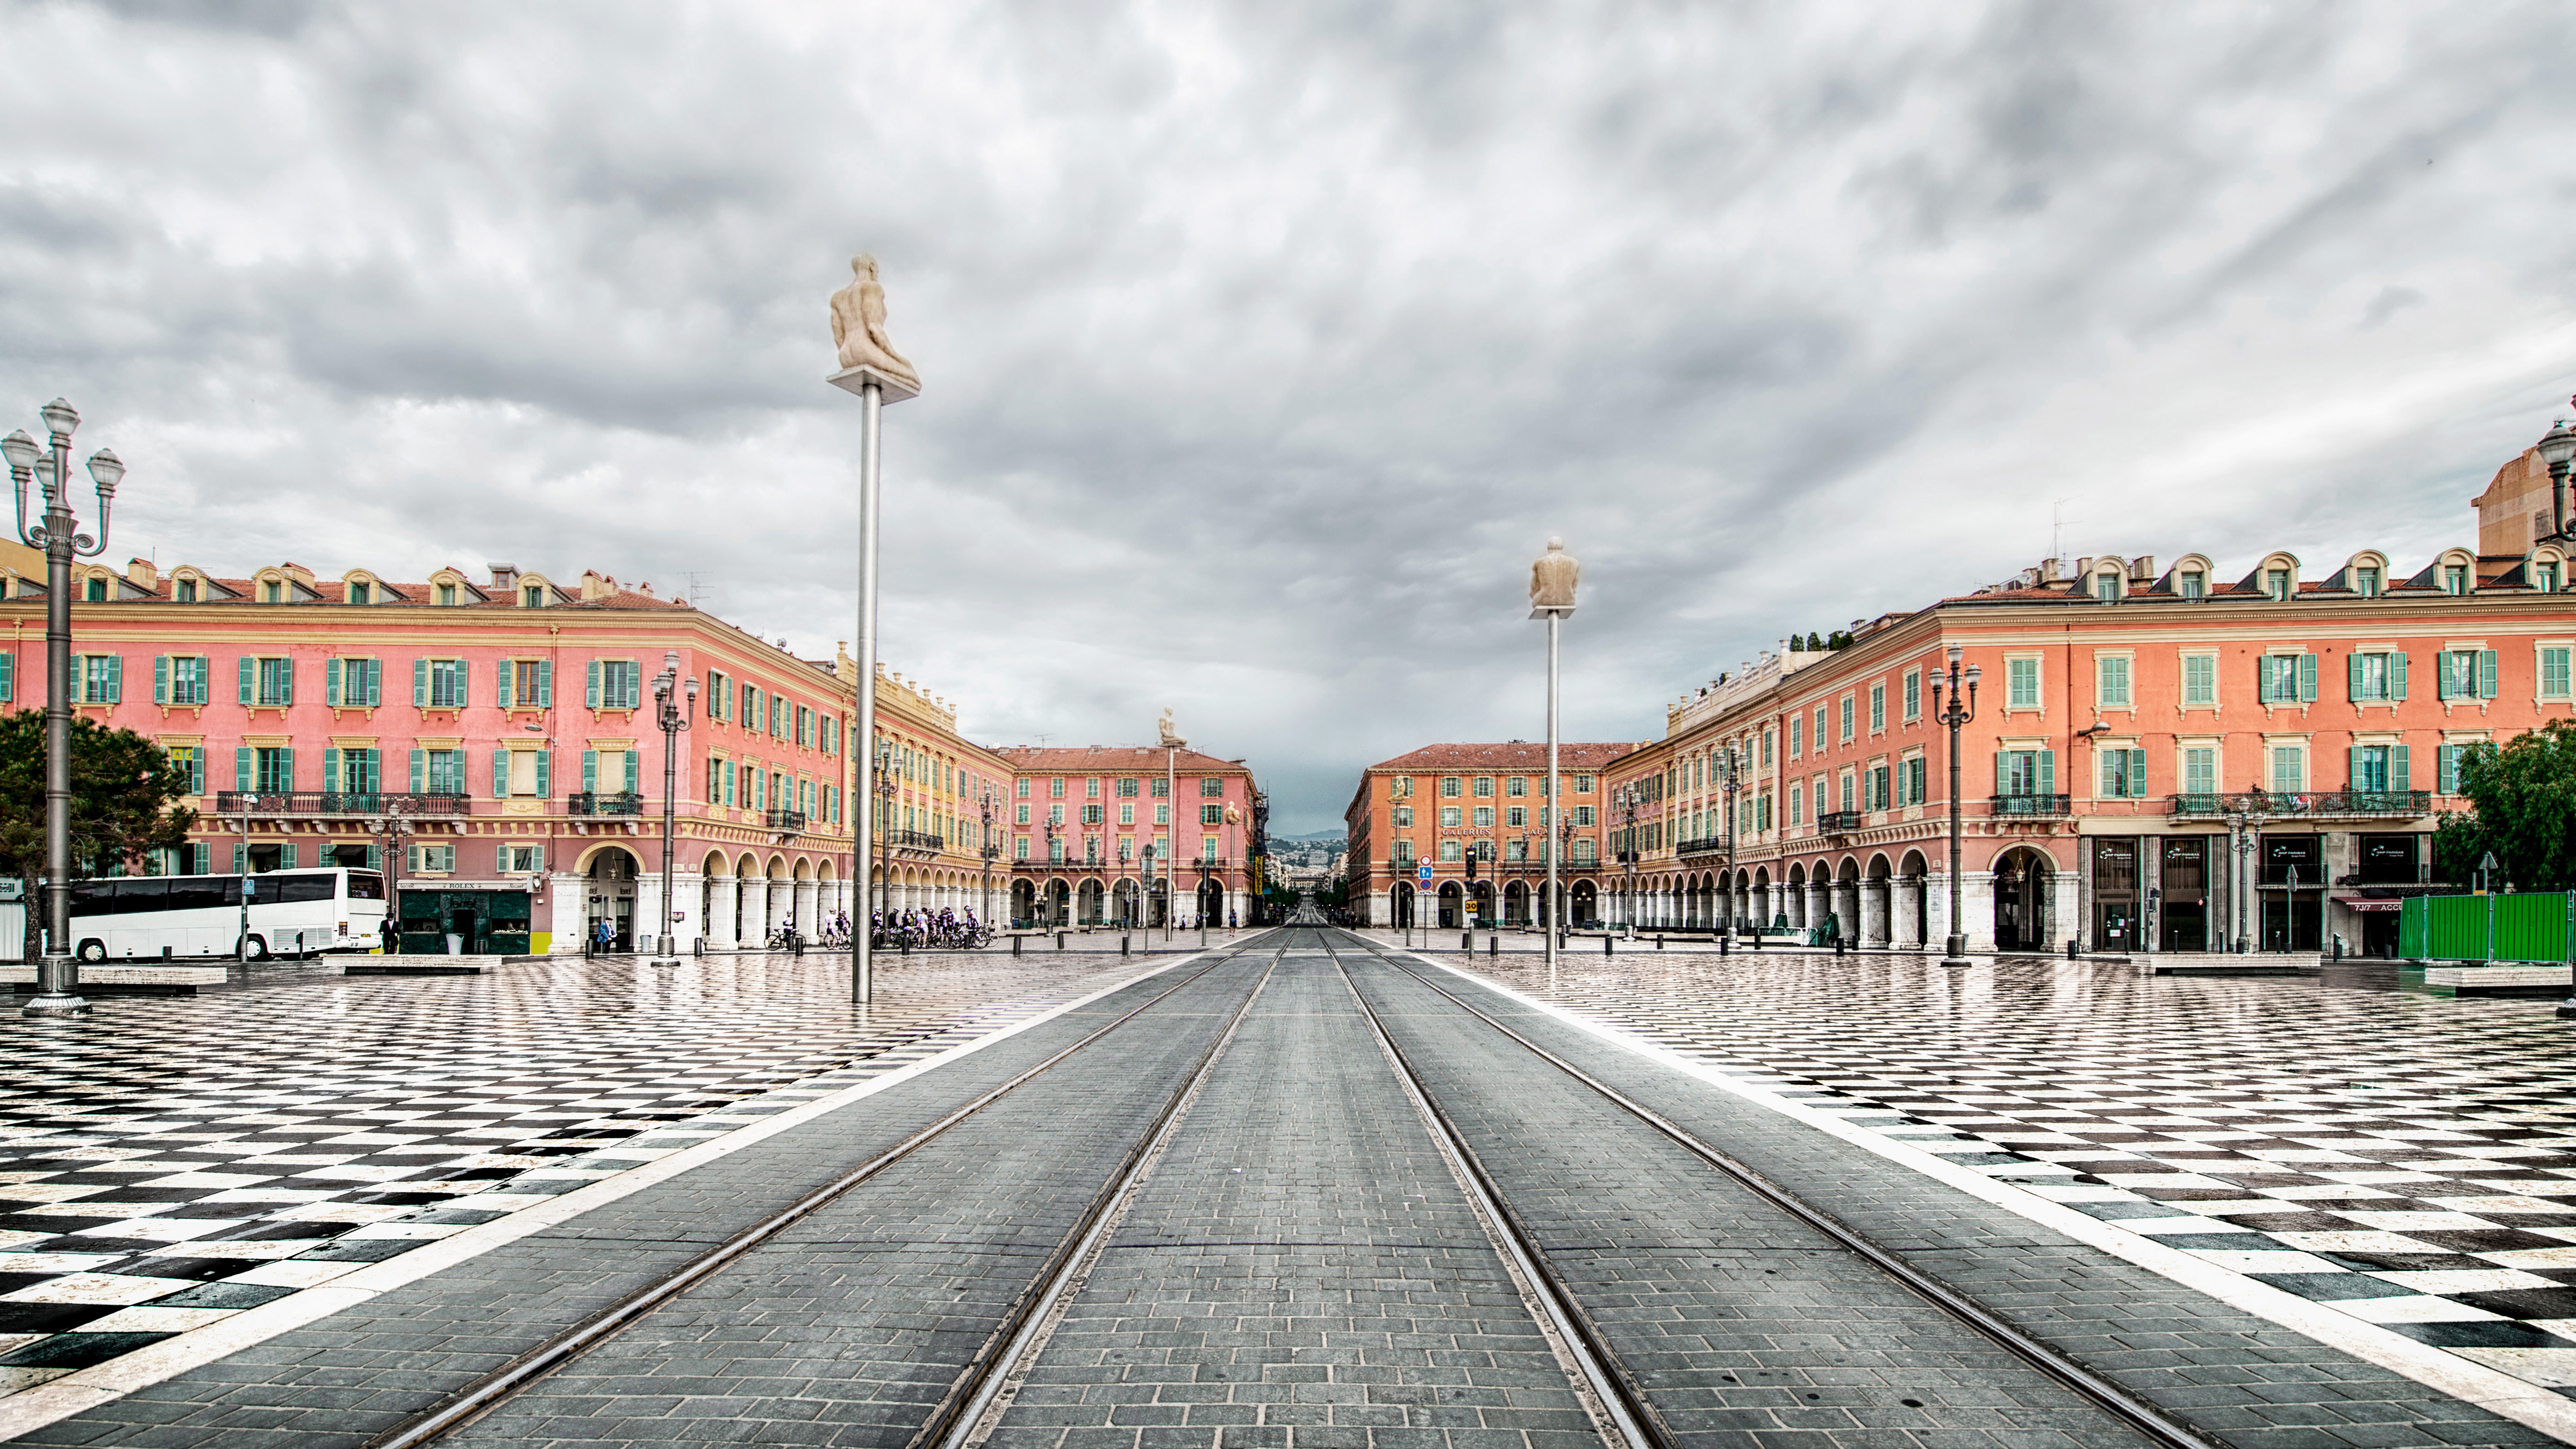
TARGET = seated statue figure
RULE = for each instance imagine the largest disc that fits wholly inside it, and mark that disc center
(858, 325)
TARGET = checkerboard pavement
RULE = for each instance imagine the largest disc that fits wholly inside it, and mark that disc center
(167, 1163)
(2401, 1157)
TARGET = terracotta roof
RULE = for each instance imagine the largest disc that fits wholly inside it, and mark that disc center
(336, 591)
(1110, 759)
(1514, 755)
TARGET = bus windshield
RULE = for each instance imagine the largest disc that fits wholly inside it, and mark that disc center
(366, 885)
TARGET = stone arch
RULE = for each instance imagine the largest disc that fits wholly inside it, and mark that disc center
(2024, 886)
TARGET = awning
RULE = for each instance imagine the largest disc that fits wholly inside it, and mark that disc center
(2369, 903)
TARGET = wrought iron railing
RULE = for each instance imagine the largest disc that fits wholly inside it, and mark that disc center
(1705, 845)
(784, 819)
(335, 802)
(2026, 807)
(2311, 802)
(1838, 822)
(596, 802)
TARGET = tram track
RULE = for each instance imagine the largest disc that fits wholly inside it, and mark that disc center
(1611, 1377)
(992, 1359)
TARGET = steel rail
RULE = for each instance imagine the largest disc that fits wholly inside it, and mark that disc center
(489, 1392)
(2104, 1394)
(1620, 1394)
(954, 1422)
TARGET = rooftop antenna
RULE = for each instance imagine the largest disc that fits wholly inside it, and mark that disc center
(2057, 528)
(698, 594)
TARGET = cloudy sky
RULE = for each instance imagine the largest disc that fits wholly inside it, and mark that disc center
(1265, 344)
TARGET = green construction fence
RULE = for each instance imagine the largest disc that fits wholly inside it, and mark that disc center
(2539, 926)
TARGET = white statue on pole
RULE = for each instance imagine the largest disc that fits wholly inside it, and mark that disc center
(858, 325)
(1171, 739)
(1552, 580)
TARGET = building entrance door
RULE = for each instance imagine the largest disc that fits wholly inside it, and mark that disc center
(2021, 902)
(2115, 894)
(2185, 908)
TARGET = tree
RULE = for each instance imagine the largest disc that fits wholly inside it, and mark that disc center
(124, 789)
(2523, 810)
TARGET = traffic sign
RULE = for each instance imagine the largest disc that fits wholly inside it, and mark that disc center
(1424, 874)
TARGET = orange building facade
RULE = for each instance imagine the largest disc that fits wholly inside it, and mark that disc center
(2181, 758)
(1444, 805)
(1150, 835)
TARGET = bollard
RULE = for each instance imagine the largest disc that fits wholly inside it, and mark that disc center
(2070, 948)
(1059, 940)
(698, 947)
(1605, 943)
(1838, 945)
(1123, 942)
(1016, 939)
(1659, 943)
(1467, 940)
(1493, 947)
(1757, 940)
(1722, 944)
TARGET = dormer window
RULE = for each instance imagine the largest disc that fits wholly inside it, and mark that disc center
(184, 591)
(535, 594)
(446, 595)
(2455, 578)
(2106, 587)
(2365, 582)
(98, 591)
(2276, 582)
(272, 592)
(2193, 583)
(358, 593)
(2545, 578)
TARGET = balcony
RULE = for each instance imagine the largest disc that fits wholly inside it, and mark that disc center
(899, 839)
(336, 802)
(2267, 804)
(2026, 807)
(595, 802)
(1841, 822)
(783, 819)
(1705, 845)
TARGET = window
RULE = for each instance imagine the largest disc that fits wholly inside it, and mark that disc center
(521, 859)
(353, 771)
(1766, 746)
(1449, 851)
(1055, 788)
(1517, 786)
(526, 683)
(438, 683)
(1583, 815)
(1448, 787)
(1913, 708)
(1163, 815)
(1484, 787)
(2193, 584)
(1796, 721)
(1583, 784)
(432, 859)
(2276, 583)
(267, 682)
(1127, 789)
(184, 591)
(1873, 787)
(2544, 577)
(356, 683)
(1820, 797)
(2200, 680)
(2021, 684)
(2468, 673)
(357, 593)
(1877, 708)
(271, 769)
(2365, 582)
(1484, 817)
(2025, 772)
(1091, 815)
(2124, 774)
(2200, 770)
(1846, 704)
(533, 596)
(2111, 683)
(1023, 816)
(1845, 794)
(1516, 815)
(446, 595)
(2554, 672)
(1019, 847)
(100, 679)
(619, 684)
(1215, 815)
(1091, 788)
(1448, 817)
(2106, 587)
(1913, 782)
(1211, 787)
(2377, 676)
(2286, 678)
(2455, 578)
(2289, 769)
(2378, 769)
(2446, 768)
(1055, 815)
(271, 592)
(192, 759)
(1404, 852)
(438, 772)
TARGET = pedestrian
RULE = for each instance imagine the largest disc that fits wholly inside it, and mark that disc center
(604, 935)
(390, 930)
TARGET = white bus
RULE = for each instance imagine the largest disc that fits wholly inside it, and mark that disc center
(292, 912)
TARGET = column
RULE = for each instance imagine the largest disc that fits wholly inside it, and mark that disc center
(567, 896)
(1977, 908)
(1816, 903)
(688, 901)
(1873, 913)
(1846, 895)
(2067, 910)
(1909, 906)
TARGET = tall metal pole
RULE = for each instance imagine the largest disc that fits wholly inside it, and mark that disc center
(1555, 804)
(871, 405)
(1959, 711)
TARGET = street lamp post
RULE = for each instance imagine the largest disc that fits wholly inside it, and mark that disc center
(1627, 800)
(1733, 780)
(2557, 448)
(670, 715)
(1961, 709)
(1552, 584)
(1046, 897)
(58, 534)
(990, 851)
(2241, 843)
(881, 811)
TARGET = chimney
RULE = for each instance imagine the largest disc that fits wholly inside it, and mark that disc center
(2048, 570)
(2142, 569)
(141, 571)
(297, 572)
(595, 585)
(504, 576)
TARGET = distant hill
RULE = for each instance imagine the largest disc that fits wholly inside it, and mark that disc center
(1318, 836)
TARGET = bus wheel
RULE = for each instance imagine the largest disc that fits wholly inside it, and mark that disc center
(259, 948)
(92, 949)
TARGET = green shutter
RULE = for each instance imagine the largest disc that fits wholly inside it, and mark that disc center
(2397, 675)
(330, 770)
(197, 774)
(420, 683)
(286, 768)
(545, 684)
(2138, 774)
(500, 774)
(286, 856)
(2352, 676)
(2262, 679)
(2446, 769)
(590, 769)
(241, 859)
(2002, 772)
(8, 676)
(2397, 769)
(419, 768)
(241, 769)
(545, 774)
(2352, 766)
(286, 681)
(202, 856)
(375, 855)
(161, 679)
(2486, 674)
(631, 758)
(332, 671)
(590, 691)
(249, 677)
(2307, 678)
(2047, 772)
(411, 860)
(501, 694)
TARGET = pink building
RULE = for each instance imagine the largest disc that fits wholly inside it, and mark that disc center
(1082, 820)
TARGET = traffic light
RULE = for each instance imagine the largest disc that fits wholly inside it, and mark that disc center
(1471, 862)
